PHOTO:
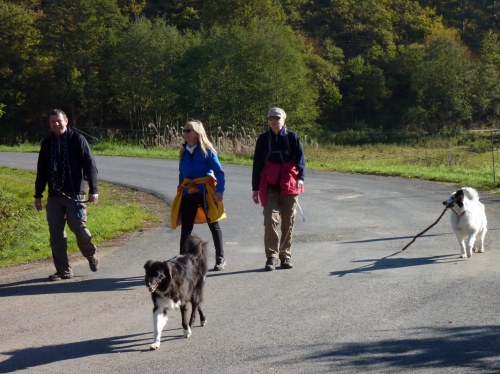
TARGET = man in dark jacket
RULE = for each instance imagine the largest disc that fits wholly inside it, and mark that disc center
(277, 180)
(65, 161)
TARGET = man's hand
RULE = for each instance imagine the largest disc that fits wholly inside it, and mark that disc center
(255, 197)
(38, 204)
(93, 198)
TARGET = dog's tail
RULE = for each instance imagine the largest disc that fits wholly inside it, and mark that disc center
(195, 247)
(470, 193)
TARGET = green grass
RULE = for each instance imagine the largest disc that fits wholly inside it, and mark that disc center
(456, 165)
(116, 149)
(452, 160)
(24, 231)
(24, 147)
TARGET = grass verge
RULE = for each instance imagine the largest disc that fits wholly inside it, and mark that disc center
(435, 160)
(24, 231)
(455, 165)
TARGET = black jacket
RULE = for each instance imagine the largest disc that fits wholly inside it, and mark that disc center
(284, 147)
(53, 160)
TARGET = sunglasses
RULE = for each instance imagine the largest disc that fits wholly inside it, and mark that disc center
(187, 131)
(274, 118)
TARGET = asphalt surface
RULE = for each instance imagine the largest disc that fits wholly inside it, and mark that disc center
(352, 303)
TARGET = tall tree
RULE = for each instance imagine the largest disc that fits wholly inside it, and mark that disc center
(365, 92)
(367, 27)
(238, 72)
(19, 59)
(366, 35)
(442, 78)
(132, 8)
(140, 72)
(76, 35)
(326, 69)
(240, 12)
(487, 84)
(472, 18)
(182, 14)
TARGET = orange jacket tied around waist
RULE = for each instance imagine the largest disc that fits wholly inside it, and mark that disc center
(213, 210)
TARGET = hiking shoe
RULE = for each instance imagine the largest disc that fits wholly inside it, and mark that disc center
(220, 264)
(286, 263)
(271, 263)
(57, 277)
(93, 263)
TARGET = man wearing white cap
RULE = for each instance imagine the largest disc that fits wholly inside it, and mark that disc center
(277, 180)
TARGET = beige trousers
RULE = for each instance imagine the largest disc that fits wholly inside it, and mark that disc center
(279, 209)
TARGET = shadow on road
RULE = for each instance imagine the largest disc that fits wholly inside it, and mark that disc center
(463, 348)
(389, 239)
(388, 262)
(42, 286)
(402, 237)
(37, 356)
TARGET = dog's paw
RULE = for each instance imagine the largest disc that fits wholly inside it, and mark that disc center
(203, 322)
(463, 256)
(187, 332)
(154, 346)
(480, 250)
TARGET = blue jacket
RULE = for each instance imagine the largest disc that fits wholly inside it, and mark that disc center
(196, 165)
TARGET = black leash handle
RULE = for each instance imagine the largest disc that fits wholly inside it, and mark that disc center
(423, 232)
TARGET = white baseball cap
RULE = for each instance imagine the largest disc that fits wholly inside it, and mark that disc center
(276, 112)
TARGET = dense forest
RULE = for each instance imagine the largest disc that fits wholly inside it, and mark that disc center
(333, 65)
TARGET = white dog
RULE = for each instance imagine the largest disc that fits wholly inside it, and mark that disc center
(468, 220)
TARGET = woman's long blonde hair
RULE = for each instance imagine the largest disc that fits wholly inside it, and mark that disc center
(205, 144)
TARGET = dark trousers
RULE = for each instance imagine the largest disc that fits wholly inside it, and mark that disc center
(189, 207)
(61, 210)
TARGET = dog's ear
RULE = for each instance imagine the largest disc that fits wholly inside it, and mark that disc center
(170, 267)
(147, 265)
(459, 198)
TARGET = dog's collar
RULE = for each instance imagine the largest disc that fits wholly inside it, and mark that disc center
(459, 214)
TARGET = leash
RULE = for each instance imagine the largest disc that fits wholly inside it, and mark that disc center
(301, 212)
(423, 232)
(72, 199)
(458, 214)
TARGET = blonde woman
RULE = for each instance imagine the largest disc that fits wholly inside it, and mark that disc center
(201, 186)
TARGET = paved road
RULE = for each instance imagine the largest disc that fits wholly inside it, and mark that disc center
(352, 303)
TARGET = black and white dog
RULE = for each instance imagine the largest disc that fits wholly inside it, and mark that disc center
(175, 283)
(468, 220)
